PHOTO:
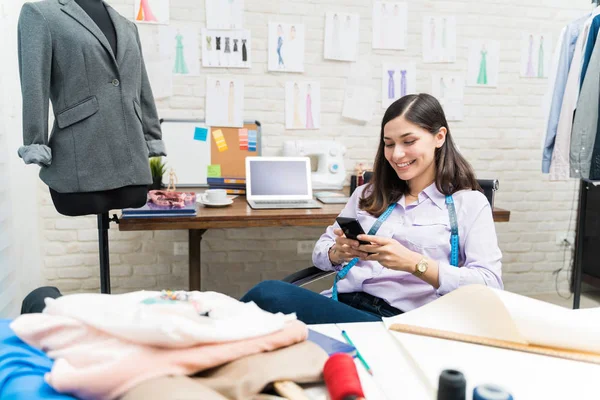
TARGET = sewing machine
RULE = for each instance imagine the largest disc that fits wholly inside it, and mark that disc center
(327, 161)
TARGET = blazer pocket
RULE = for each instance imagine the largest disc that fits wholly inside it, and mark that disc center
(78, 112)
(138, 110)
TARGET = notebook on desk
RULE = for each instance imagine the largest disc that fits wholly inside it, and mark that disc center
(279, 182)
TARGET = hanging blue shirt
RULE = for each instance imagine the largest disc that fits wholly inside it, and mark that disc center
(589, 47)
(22, 369)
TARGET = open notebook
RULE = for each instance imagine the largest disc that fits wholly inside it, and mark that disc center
(482, 315)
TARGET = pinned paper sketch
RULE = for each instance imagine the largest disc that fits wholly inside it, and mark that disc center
(152, 11)
(389, 25)
(397, 80)
(286, 47)
(359, 102)
(157, 67)
(341, 36)
(536, 53)
(180, 46)
(450, 92)
(224, 14)
(439, 39)
(484, 56)
(226, 49)
(224, 102)
(302, 105)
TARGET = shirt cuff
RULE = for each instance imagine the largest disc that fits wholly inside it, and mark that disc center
(36, 154)
(449, 277)
(156, 148)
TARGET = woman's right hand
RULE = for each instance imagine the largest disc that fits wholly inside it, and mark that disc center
(344, 249)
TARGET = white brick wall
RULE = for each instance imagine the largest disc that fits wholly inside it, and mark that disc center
(500, 135)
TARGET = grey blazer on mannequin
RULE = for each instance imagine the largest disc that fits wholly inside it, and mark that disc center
(106, 125)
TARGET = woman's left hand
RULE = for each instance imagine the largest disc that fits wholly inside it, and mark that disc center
(389, 253)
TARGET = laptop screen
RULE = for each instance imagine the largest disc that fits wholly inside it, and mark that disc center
(279, 178)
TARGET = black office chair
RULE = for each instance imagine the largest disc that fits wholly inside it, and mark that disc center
(312, 274)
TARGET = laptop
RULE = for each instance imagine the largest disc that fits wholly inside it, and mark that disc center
(279, 182)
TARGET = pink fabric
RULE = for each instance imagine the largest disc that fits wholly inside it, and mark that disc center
(91, 364)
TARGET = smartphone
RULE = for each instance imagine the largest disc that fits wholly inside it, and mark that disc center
(351, 228)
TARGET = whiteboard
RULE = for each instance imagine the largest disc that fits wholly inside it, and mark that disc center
(189, 157)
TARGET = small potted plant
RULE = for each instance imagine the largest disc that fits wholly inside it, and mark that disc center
(157, 168)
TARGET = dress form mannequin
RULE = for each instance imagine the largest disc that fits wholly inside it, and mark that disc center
(85, 203)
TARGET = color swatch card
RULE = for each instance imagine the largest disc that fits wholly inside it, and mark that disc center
(220, 140)
(243, 135)
(252, 140)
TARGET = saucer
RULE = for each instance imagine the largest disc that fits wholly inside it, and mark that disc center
(205, 203)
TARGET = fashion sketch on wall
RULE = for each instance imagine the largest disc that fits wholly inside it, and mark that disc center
(224, 14)
(226, 48)
(286, 47)
(302, 105)
(159, 69)
(180, 46)
(151, 11)
(484, 58)
(389, 25)
(341, 36)
(397, 80)
(439, 39)
(224, 102)
(359, 103)
(450, 91)
(536, 52)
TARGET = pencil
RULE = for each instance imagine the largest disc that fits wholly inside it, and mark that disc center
(358, 355)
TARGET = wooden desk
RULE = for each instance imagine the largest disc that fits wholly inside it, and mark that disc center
(240, 215)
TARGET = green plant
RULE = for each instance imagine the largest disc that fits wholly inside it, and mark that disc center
(157, 167)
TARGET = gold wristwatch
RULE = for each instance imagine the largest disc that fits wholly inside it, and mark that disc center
(421, 267)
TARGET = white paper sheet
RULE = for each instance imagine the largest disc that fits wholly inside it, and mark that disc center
(224, 14)
(389, 25)
(286, 47)
(359, 103)
(397, 80)
(439, 39)
(341, 36)
(180, 45)
(224, 102)
(160, 77)
(302, 105)
(151, 11)
(449, 90)
(484, 59)
(226, 48)
(536, 55)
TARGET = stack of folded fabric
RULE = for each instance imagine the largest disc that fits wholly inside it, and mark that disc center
(109, 346)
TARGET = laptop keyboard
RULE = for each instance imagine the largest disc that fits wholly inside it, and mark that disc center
(281, 201)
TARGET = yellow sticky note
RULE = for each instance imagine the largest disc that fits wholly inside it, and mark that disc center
(220, 140)
(213, 171)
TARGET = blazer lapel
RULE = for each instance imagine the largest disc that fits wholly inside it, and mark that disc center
(122, 30)
(72, 9)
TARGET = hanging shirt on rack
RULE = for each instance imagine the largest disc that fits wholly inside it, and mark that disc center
(589, 47)
(559, 166)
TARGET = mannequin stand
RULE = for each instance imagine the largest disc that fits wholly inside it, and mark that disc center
(103, 227)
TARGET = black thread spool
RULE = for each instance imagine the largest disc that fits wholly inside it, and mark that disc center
(452, 385)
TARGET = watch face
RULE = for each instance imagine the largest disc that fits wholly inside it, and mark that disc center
(422, 267)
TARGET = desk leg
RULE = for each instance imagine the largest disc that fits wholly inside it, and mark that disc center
(195, 260)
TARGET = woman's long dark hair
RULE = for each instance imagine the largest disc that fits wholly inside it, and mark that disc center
(452, 171)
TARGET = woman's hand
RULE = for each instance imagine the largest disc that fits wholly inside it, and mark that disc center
(389, 253)
(344, 249)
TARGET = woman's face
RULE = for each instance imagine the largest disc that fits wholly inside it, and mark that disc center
(410, 149)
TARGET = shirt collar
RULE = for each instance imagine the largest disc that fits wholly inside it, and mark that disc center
(438, 198)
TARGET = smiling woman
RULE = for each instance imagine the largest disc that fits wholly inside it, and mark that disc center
(431, 229)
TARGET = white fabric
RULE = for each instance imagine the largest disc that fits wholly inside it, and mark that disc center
(167, 323)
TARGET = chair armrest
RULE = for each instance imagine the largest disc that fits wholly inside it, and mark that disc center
(306, 276)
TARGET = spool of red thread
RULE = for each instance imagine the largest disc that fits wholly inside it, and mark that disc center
(341, 377)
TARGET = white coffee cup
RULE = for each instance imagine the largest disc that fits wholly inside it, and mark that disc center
(215, 196)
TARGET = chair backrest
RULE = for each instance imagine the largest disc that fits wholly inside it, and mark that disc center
(489, 186)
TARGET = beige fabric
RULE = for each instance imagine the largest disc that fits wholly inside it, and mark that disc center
(240, 379)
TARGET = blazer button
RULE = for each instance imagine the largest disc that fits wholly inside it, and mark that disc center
(115, 82)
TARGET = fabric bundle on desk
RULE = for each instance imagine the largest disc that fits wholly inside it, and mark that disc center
(104, 345)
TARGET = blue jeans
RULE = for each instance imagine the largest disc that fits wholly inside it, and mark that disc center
(313, 308)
